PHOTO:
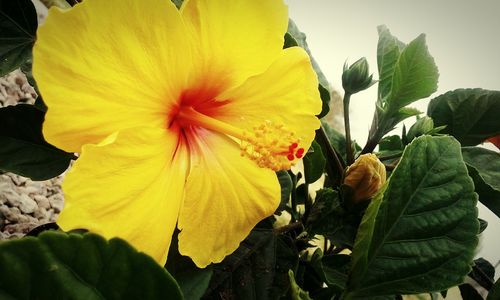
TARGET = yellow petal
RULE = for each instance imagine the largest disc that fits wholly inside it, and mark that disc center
(287, 93)
(129, 186)
(237, 38)
(226, 196)
(103, 66)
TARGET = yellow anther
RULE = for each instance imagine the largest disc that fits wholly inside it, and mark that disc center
(272, 146)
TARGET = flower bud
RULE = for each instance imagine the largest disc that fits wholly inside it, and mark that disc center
(365, 176)
(356, 78)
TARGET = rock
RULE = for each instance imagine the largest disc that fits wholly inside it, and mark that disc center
(42, 201)
(57, 202)
(13, 198)
(41, 214)
(22, 228)
(27, 205)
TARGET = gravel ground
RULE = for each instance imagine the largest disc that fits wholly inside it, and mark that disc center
(24, 204)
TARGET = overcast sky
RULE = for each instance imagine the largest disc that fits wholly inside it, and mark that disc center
(462, 36)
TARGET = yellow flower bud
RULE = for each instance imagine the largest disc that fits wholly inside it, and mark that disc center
(365, 176)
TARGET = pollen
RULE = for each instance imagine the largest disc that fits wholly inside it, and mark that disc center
(272, 146)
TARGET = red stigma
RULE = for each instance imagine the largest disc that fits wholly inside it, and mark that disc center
(300, 153)
(290, 157)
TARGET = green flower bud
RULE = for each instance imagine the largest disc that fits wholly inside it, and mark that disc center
(365, 176)
(356, 78)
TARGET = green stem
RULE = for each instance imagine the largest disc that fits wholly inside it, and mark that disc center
(348, 144)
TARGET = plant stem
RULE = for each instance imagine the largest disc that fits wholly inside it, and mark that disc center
(348, 144)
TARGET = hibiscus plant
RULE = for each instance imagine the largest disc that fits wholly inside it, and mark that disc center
(199, 164)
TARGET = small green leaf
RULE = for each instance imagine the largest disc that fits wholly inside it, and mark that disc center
(484, 168)
(289, 41)
(56, 265)
(415, 75)
(178, 3)
(388, 51)
(470, 115)
(18, 24)
(23, 149)
(419, 233)
(314, 163)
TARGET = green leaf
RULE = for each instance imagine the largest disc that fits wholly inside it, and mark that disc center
(257, 269)
(178, 3)
(314, 163)
(415, 75)
(18, 24)
(23, 150)
(300, 38)
(297, 292)
(484, 168)
(388, 51)
(470, 115)
(192, 280)
(325, 100)
(420, 231)
(56, 265)
(391, 143)
(286, 185)
(289, 41)
(336, 268)
(494, 293)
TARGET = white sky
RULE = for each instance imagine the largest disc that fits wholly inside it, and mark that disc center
(462, 36)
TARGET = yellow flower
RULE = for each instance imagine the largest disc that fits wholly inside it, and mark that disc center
(181, 117)
(365, 176)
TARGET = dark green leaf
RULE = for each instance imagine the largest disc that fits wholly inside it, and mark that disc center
(323, 211)
(56, 265)
(483, 272)
(314, 163)
(483, 224)
(391, 143)
(178, 3)
(192, 280)
(420, 232)
(18, 23)
(289, 41)
(23, 150)
(469, 293)
(300, 38)
(336, 268)
(494, 293)
(484, 168)
(415, 75)
(470, 115)
(286, 185)
(257, 269)
(337, 141)
(388, 51)
(297, 292)
(325, 100)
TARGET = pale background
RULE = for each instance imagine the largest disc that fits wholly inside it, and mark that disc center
(462, 36)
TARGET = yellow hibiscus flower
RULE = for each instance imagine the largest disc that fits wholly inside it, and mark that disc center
(180, 117)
